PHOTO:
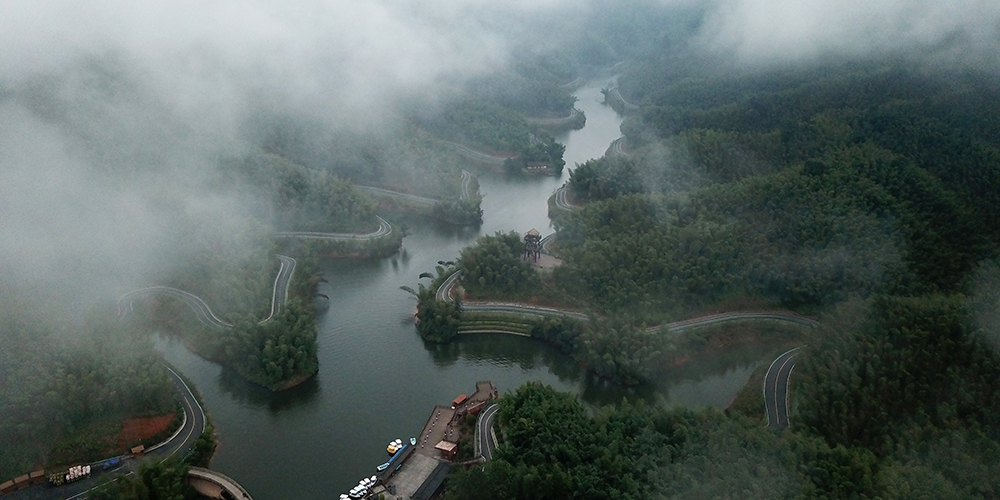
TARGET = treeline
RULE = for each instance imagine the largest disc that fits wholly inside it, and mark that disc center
(64, 393)
(467, 212)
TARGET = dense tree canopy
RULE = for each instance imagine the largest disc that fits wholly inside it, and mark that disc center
(494, 266)
(63, 394)
(154, 481)
(801, 186)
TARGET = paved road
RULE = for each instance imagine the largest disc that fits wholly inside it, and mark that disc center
(775, 381)
(487, 436)
(546, 244)
(200, 308)
(515, 308)
(466, 185)
(383, 229)
(222, 480)
(194, 420)
(776, 389)
(575, 83)
(618, 95)
(465, 195)
(561, 201)
(727, 317)
(279, 295)
(446, 291)
(618, 147)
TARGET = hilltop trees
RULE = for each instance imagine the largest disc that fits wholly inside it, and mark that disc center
(494, 266)
(913, 363)
(553, 449)
(275, 352)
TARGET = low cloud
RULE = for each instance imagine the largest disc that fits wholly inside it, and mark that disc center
(782, 31)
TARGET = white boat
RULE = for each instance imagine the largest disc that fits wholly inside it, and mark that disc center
(382, 467)
(413, 441)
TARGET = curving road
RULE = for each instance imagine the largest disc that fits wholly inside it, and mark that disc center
(561, 201)
(727, 317)
(445, 292)
(383, 229)
(279, 296)
(776, 389)
(617, 147)
(466, 185)
(466, 194)
(515, 308)
(487, 439)
(775, 381)
(546, 244)
(575, 83)
(193, 426)
(200, 308)
(279, 292)
(222, 480)
(618, 95)
(194, 420)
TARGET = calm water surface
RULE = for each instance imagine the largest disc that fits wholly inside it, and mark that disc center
(378, 380)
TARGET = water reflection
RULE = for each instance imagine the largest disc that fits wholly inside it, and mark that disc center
(302, 396)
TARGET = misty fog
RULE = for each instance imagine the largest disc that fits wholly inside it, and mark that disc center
(114, 115)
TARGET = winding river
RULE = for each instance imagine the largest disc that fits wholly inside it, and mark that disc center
(378, 381)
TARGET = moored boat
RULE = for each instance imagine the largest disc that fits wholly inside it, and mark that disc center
(394, 446)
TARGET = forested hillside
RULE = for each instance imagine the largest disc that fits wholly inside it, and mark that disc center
(802, 186)
(64, 401)
(863, 193)
(898, 402)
